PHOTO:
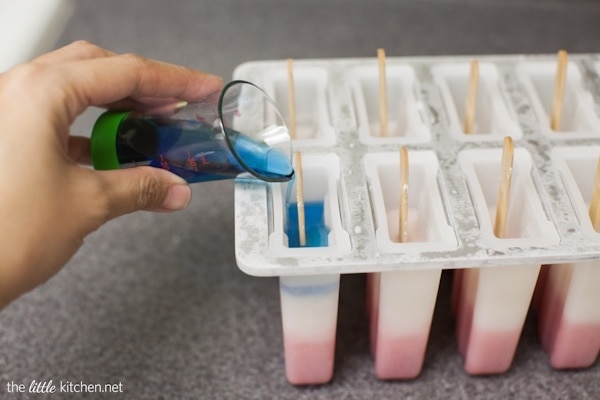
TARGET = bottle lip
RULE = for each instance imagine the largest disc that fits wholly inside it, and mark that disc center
(224, 121)
(103, 150)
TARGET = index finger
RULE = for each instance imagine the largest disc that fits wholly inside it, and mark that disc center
(78, 50)
(110, 79)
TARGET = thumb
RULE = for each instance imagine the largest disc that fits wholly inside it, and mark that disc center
(143, 188)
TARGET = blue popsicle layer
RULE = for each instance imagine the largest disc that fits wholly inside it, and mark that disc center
(316, 230)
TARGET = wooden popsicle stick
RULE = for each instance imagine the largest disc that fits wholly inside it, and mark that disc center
(504, 187)
(291, 98)
(403, 214)
(471, 100)
(559, 90)
(300, 199)
(595, 201)
(383, 114)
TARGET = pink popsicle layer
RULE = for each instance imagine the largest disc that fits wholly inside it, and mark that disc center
(308, 363)
(400, 357)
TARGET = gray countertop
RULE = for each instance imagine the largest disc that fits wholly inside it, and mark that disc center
(155, 302)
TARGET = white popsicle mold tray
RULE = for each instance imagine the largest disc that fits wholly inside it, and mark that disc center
(453, 185)
(453, 179)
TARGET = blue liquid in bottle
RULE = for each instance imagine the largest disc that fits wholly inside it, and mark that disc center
(316, 230)
(196, 151)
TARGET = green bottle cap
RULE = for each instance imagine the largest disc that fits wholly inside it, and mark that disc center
(103, 142)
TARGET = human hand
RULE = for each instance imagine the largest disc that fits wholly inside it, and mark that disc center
(49, 202)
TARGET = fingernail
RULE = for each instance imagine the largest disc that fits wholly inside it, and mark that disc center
(216, 77)
(177, 198)
(218, 80)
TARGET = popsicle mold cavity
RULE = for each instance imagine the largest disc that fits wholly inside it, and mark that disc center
(494, 118)
(491, 307)
(321, 174)
(313, 121)
(400, 306)
(527, 221)
(401, 303)
(492, 302)
(578, 168)
(578, 116)
(427, 223)
(568, 315)
(405, 121)
(309, 306)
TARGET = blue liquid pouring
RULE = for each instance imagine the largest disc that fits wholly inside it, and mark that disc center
(316, 230)
(196, 151)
